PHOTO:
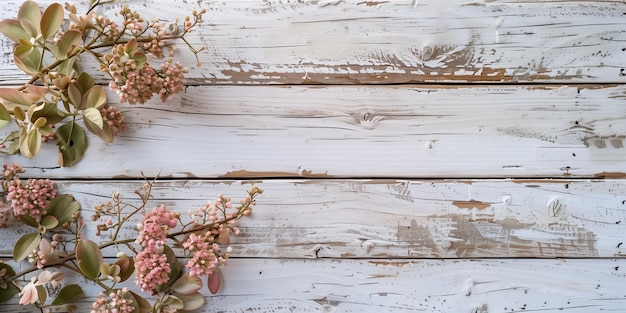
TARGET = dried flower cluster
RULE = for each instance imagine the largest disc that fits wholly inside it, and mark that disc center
(59, 93)
(58, 240)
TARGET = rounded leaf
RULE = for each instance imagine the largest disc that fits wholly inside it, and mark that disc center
(93, 115)
(72, 143)
(51, 20)
(213, 282)
(187, 285)
(30, 12)
(5, 116)
(127, 268)
(95, 97)
(9, 290)
(68, 294)
(89, 258)
(62, 207)
(13, 29)
(66, 46)
(192, 302)
(49, 222)
(25, 245)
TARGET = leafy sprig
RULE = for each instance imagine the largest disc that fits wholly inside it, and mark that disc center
(59, 93)
(56, 240)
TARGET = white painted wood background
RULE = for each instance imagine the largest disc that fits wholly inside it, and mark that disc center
(419, 155)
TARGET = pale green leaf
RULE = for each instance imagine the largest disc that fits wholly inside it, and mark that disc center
(89, 258)
(93, 115)
(192, 302)
(25, 245)
(29, 146)
(49, 222)
(5, 116)
(30, 63)
(12, 96)
(23, 50)
(68, 294)
(30, 28)
(42, 293)
(72, 143)
(187, 285)
(48, 110)
(13, 29)
(51, 20)
(30, 12)
(63, 207)
(105, 133)
(40, 122)
(95, 97)
(19, 114)
(74, 94)
(69, 40)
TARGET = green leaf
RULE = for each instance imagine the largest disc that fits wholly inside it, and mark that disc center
(85, 81)
(175, 268)
(5, 116)
(74, 94)
(40, 122)
(48, 110)
(13, 29)
(10, 290)
(89, 258)
(30, 12)
(93, 115)
(28, 220)
(51, 20)
(105, 133)
(68, 66)
(95, 97)
(66, 46)
(30, 63)
(72, 143)
(25, 245)
(23, 50)
(49, 222)
(29, 146)
(63, 207)
(41, 293)
(68, 294)
(30, 28)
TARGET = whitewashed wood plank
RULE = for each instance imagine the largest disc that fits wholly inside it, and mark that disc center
(471, 286)
(397, 218)
(359, 42)
(353, 131)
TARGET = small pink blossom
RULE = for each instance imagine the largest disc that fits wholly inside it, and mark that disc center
(151, 267)
(119, 301)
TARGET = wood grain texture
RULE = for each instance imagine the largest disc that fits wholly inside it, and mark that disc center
(398, 285)
(384, 219)
(382, 42)
(352, 131)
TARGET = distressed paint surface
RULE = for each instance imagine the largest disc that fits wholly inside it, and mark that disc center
(400, 218)
(382, 42)
(355, 131)
(416, 189)
(400, 285)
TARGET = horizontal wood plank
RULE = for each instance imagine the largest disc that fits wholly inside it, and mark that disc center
(352, 131)
(480, 286)
(397, 218)
(381, 42)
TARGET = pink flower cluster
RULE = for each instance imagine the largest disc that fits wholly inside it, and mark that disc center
(113, 117)
(30, 199)
(119, 301)
(151, 267)
(136, 81)
(204, 260)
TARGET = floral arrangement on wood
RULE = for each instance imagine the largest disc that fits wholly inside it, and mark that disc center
(55, 240)
(59, 93)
